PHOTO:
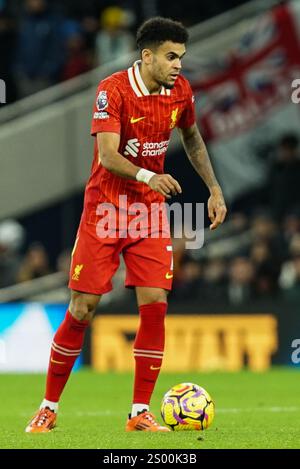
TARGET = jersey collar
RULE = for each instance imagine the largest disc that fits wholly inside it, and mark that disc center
(137, 83)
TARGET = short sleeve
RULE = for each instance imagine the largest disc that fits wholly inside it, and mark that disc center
(188, 117)
(107, 109)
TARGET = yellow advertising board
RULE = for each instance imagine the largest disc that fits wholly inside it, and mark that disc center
(193, 343)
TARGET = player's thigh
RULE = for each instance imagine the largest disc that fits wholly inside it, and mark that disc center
(149, 264)
(94, 262)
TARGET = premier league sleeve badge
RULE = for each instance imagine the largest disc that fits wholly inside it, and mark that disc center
(102, 101)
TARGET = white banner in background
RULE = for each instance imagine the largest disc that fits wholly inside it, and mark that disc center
(26, 332)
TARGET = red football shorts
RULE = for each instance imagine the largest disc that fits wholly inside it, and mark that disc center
(148, 260)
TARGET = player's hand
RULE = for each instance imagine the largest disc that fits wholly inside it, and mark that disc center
(165, 184)
(216, 209)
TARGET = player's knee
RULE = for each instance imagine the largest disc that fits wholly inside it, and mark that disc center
(80, 313)
(159, 299)
(154, 297)
(82, 307)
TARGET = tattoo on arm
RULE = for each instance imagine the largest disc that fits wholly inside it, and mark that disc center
(196, 151)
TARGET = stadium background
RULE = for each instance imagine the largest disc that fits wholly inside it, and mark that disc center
(235, 302)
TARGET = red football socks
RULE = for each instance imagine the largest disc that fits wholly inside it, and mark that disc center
(66, 347)
(148, 350)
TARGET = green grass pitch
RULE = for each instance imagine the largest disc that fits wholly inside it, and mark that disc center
(253, 410)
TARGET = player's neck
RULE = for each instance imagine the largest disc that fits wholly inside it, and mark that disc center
(152, 86)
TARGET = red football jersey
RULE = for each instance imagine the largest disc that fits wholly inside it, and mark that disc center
(144, 122)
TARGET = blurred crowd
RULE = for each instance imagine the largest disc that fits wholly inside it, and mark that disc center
(251, 258)
(43, 43)
(21, 261)
(254, 255)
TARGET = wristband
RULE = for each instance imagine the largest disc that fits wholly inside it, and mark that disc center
(144, 175)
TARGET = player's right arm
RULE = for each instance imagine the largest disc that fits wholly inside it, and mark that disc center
(106, 125)
(113, 161)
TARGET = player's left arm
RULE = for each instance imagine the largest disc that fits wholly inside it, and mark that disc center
(197, 153)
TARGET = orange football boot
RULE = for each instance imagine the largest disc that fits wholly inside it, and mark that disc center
(144, 422)
(42, 422)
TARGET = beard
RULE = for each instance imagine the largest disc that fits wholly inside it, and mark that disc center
(168, 86)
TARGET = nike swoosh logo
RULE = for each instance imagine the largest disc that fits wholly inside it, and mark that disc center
(168, 276)
(133, 120)
(154, 367)
(59, 363)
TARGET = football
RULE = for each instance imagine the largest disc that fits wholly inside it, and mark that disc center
(187, 406)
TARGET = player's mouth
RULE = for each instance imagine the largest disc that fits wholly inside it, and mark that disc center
(174, 76)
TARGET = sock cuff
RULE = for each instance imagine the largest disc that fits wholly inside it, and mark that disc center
(153, 308)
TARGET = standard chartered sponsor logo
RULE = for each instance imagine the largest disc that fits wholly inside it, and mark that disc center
(132, 147)
(155, 148)
(148, 148)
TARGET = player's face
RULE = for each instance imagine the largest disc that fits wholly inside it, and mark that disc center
(166, 63)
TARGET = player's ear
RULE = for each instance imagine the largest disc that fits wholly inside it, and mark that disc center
(147, 56)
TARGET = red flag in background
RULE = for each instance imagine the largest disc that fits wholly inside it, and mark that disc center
(243, 96)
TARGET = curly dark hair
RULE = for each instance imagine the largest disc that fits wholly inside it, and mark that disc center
(153, 32)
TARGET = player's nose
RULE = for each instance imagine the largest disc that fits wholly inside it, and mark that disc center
(177, 64)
